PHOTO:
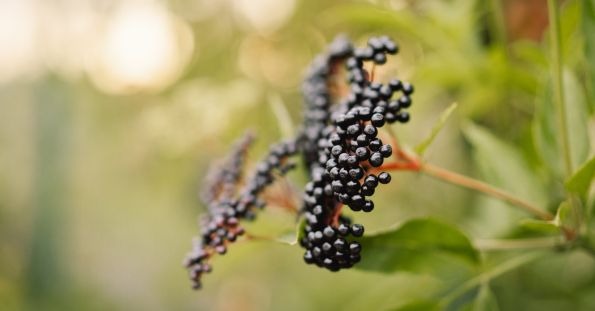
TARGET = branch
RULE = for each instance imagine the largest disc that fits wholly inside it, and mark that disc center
(477, 185)
(407, 161)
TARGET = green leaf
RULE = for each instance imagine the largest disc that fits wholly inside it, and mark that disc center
(501, 165)
(374, 18)
(421, 148)
(418, 245)
(300, 232)
(587, 26)
(292, 237)
(485, 300)
(419, 306)
(570, 32)
(563, 215)
(546, 134)
(582, 178)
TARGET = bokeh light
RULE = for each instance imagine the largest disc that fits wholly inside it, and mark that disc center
(144, 47)
(18, 39)
(264, 15)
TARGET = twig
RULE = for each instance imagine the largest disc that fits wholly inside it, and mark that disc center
(411, 162)
(477, 185)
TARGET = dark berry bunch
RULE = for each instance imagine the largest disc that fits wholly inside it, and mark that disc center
(222, 182)
(343, 153)
(342, 147)
(228, 203)
(318, 98)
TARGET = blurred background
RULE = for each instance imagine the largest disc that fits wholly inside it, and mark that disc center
(112, 110)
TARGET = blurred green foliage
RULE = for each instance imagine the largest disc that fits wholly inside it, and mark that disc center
(98, 191)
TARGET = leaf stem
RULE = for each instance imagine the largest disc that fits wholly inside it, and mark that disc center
(499, 23)
(408, 161)
(558, 82)
(490, 275)
(503, 245)
(477, 185)
(558, 85)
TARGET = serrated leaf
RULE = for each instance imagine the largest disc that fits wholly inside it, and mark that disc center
(546, 133)
(418, 245)
(421, 148)
(419, 306)
(582, 179)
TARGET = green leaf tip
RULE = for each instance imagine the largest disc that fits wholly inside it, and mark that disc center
(421, 148)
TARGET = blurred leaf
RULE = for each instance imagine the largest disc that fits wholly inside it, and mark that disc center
(588, 26)
(292, 237)
(421, 148)
(485, 300)
(582, 179)
(540, 226)
(377, 18)
(562, 215)
(381, 294)
(282, 116)
(287, 238)
(504, 164)
(300, 232)
(570, 32)
(415, 246)
(561, 273)
(531, 53)
(545, 127)
(419, 306)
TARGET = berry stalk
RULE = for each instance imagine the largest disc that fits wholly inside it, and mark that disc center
(410, 162)
(464, 181)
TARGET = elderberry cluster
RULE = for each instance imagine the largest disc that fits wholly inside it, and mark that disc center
(227, 204)
(342, 147)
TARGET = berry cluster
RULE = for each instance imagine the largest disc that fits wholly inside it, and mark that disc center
(342, 149)
(227, 204)
(343, 154)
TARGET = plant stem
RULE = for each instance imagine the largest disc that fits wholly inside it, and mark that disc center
(498, 245)
(407, 161)
(490, 275)
(558, 83)
(477, 185)
(499, 23)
